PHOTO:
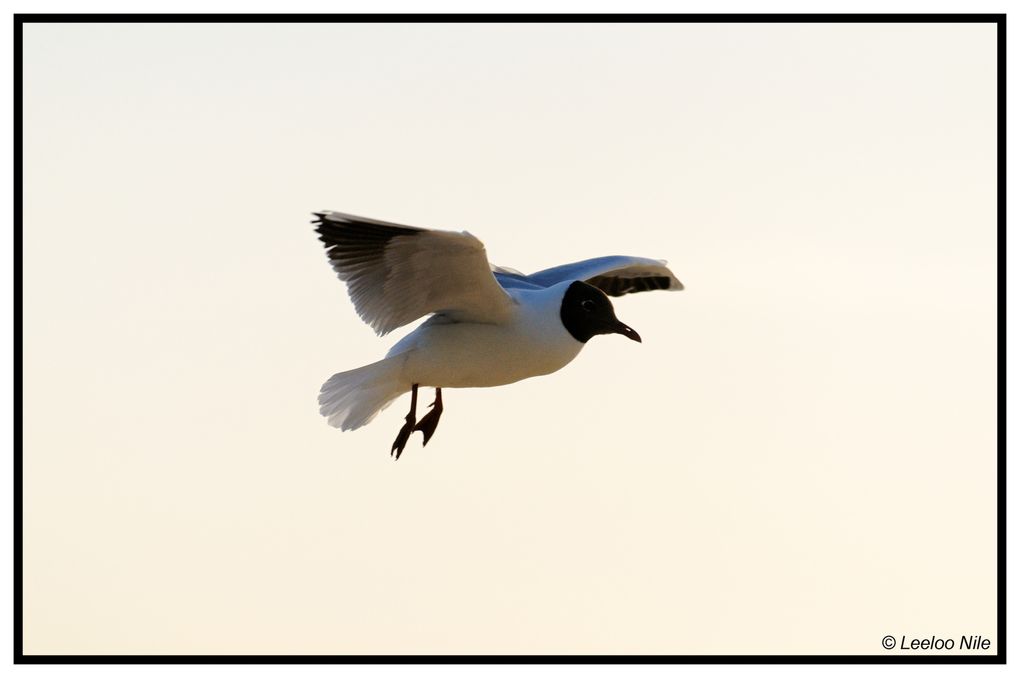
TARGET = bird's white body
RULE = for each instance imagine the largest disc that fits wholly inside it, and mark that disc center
(532, 342)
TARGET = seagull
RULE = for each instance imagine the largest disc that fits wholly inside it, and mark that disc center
(489, 325)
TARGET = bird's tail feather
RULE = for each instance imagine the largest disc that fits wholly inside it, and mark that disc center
(351, 399)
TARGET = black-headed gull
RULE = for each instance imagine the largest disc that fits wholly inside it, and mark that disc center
(490, 325)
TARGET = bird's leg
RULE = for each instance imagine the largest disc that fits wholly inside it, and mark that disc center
(428, 423)
(408, 427)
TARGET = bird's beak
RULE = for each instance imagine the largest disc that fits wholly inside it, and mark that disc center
(626, 331)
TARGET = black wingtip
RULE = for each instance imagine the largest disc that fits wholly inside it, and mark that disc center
(619, 286)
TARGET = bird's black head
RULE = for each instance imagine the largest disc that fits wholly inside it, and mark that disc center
(587, 311)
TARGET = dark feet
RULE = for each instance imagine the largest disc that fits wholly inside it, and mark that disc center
(408, 427)
(428, 423)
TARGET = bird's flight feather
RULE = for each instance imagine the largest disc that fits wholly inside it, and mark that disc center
(615, 275)
(396, 274)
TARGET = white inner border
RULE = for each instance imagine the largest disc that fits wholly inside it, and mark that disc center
(466, 6)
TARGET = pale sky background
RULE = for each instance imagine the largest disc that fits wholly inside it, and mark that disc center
(800, 457)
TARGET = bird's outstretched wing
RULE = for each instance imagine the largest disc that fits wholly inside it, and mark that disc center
(396, 274)
(615, 275)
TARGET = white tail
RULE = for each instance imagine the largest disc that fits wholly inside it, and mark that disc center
(352, 399)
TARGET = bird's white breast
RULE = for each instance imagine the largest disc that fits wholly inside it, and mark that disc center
(461, 355)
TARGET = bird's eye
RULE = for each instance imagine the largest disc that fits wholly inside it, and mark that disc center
(588, 305)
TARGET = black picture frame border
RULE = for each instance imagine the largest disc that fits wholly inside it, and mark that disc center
(19, 20)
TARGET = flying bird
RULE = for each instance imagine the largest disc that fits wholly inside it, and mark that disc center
(489, 326)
